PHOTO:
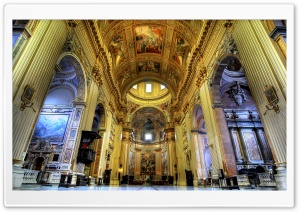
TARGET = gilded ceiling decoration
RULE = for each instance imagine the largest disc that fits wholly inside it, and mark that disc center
(161, 51)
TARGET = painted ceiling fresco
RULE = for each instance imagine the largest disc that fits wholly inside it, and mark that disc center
(157, 50)
(118, 49)
(148, 66)
(149, 39)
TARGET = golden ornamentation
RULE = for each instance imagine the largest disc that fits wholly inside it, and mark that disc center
(282, 45)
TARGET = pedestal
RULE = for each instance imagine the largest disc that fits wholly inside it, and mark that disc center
(280, 177)
(181, 182)
(114, 181)
(18, 174)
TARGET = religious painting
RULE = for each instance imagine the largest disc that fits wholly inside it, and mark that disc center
(28, 94)
(148, 163)
(51, 127)
(271, 95)
(252, 146)
(118, 49)
(181, 50)
(148, 67)
(149, 39)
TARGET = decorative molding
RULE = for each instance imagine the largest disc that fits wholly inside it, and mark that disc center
(97, 76)
(201, 77)
(217, 105)
(228, 45)
(277, 31)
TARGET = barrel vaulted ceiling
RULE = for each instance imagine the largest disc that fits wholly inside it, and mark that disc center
(163, 51)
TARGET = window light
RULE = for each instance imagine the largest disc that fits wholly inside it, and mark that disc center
(148, 88)
(148, 136)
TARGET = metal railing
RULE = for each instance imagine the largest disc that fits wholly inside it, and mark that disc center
(30, 176)
(266, 179)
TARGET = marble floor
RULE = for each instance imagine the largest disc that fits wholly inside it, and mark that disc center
(31, 187)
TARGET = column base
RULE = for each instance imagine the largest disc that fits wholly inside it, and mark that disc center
(181, 183)
(280, 177)
(114, 181)
(18, 174)
(195, 183)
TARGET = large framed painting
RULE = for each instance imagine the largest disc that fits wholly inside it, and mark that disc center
(51, 127)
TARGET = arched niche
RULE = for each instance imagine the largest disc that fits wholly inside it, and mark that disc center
(59, 120)
(99, 118)
(230, 90)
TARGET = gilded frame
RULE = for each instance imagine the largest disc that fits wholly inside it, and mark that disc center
(271, 95)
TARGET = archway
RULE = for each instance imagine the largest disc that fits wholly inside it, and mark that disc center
(148, 152)
(38, 164)
(59, 119)
(231, 90)
(99, 127)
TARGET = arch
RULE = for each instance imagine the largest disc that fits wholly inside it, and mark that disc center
(198, 119)
(149, 106)
(80, 73)
(68, 85)
(217, 74)
(100, 116)
(40, 164)
(67, 94)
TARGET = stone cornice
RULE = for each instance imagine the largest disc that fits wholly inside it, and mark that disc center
(102, 57)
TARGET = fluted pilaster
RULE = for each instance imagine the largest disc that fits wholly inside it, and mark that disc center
(264, 67)
(35, 65)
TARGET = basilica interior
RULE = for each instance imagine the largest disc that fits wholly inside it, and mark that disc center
(149, 102)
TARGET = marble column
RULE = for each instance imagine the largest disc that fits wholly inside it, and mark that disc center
(170, 138)
(280, 177)
(236, 144)
(225, 142)
(181, 163)
(249, 34)
(198, 174)
(137, 163)
(114, 176)
(158, 163)
(125, 148)
(265, 149)
(243, 144)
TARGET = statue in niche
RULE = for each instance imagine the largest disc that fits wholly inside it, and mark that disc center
(237, 95)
